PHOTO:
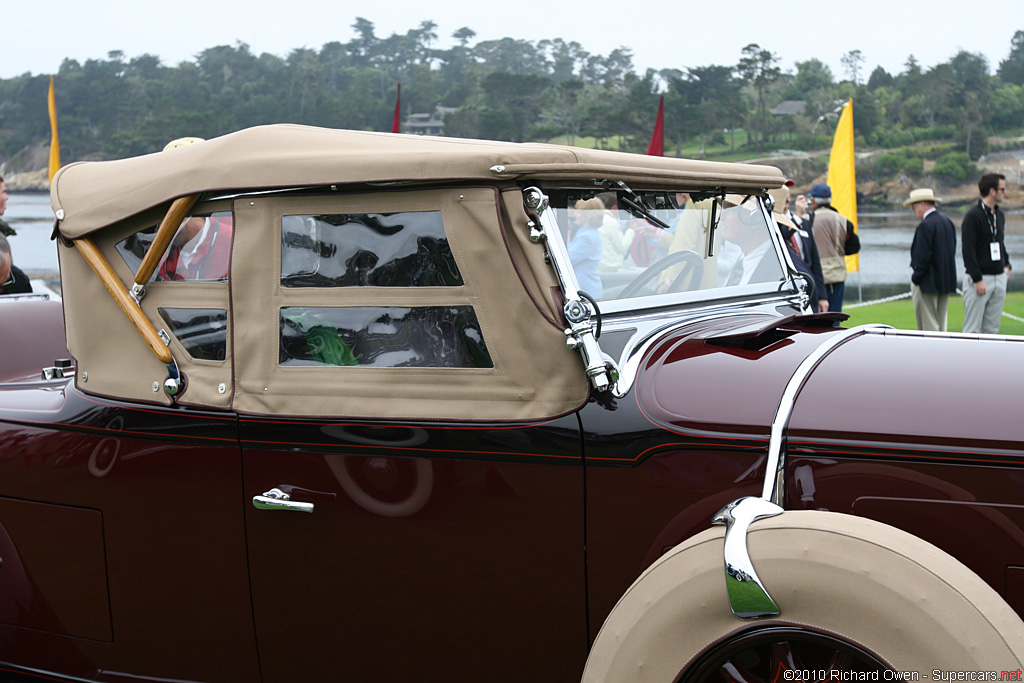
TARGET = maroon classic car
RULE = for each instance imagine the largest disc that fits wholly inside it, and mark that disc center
(324, 405)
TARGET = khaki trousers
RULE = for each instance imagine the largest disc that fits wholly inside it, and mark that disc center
(929, 309)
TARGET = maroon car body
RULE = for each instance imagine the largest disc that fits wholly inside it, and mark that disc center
(464, 548)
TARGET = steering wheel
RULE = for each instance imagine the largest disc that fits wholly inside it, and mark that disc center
(692, 268)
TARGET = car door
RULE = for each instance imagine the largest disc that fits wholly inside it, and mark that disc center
(454, 553)
(413, 479)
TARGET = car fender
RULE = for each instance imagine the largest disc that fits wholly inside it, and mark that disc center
(893, 598)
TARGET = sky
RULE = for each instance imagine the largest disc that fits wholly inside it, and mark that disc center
(36, 37)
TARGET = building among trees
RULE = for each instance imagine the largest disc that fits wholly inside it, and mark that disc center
(429, 123)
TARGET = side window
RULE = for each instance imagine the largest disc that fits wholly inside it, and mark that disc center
(404, 249)
(379, 336)
(202, 331)
(200, 249)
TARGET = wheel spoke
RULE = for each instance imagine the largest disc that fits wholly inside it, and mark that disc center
(783, 659)
(840, 661)
(733, 673)
(764, 655)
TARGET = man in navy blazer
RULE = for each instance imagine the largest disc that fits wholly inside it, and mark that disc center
(933, 260)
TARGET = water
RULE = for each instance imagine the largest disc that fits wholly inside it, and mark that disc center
(885, 252)
(34, 252)
(884, 257)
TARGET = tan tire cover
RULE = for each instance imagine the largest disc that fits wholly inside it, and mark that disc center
(903, 599)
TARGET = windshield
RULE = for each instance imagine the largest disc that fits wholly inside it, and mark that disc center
(615, 254)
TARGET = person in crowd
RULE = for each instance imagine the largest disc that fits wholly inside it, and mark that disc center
(985, 258)
(5, 229)
(798, 210)
(836, 240)
(200, 250)
(585, 244)
(12, 280)
(688, 231)
(932, 259)
(802, 247)
(615, 237)
(745, 245)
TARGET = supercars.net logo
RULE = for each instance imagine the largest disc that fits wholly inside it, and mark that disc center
(842, 675)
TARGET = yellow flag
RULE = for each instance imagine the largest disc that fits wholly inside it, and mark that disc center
(54, 142)
(842, 177)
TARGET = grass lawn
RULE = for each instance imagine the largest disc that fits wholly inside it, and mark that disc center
(900, 314)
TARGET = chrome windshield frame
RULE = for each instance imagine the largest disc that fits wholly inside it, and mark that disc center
(582, 313)
(600, 368)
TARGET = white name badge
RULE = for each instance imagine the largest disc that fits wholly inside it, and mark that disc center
(994, 246)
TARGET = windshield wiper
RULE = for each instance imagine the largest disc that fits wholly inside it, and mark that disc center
(633, 203)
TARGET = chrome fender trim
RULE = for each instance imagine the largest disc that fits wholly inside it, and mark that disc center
(775, 471)
(747, 595)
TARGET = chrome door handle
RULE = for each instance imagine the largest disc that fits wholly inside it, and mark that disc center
(276, 499)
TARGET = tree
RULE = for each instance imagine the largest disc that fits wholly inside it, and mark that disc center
(464, 35)
(1011, 69)
(363, 46)
(852, 62)
(759, 69)
(513, 104)
(703, 102)
(566, 60)
(880, 78)
(1007, 105)
(813, 84)
(565, 108)
(811, 76)
(511, 56)
(970, 96)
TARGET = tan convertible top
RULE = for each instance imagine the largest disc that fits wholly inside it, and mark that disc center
(88, 196)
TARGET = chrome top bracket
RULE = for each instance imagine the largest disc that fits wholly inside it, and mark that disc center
(137, 292)
(600, 369)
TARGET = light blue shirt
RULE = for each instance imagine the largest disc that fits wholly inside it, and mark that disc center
(585, 255)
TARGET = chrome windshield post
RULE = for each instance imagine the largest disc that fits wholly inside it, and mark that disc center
(600, 369)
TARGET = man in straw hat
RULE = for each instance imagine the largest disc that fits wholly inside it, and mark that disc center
(932, 258)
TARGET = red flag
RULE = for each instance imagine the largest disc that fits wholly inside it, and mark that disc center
(657, 146)
(396, 126)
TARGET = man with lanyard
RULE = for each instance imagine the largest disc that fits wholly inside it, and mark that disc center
(985, 258)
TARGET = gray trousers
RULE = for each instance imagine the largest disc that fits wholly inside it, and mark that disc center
(930, 309)
(983, 313)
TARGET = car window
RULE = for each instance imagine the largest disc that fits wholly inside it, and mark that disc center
(404, 249)
(199, 251)
(202, 331)
(383, 336)
(617, 255)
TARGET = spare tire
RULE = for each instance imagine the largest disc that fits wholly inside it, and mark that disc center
(855, 596)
